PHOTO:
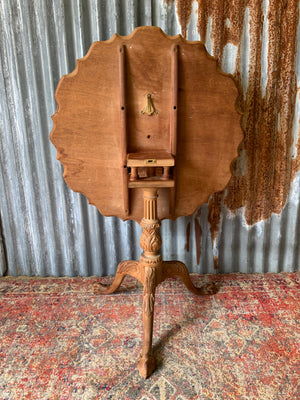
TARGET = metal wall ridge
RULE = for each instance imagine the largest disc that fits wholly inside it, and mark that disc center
(252, 226)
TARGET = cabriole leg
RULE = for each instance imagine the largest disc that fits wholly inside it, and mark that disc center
(129, 267)
(177, 268)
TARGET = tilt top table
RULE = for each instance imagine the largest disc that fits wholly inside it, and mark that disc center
(143, 116)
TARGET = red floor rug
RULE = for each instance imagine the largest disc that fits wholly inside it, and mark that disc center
(59, 341)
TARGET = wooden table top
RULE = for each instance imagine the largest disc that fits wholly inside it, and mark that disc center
(89, 124)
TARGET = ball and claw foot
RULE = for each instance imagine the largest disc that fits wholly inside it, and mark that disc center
(208, 289)
(99, 288)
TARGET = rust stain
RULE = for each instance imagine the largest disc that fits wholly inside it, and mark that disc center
(214, 212)
(184, 12)
(188, 231)
(198, 234)
(223, 32)
(216, 262)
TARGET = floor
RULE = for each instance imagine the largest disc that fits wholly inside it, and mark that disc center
(60, 341)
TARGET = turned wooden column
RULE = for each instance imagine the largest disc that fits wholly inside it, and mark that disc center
(150, 269)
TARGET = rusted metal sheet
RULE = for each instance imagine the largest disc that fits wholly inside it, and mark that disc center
(252, 226)
(269, 156)
(269, 90)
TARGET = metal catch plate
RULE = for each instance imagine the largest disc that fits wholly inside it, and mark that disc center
(151, 161)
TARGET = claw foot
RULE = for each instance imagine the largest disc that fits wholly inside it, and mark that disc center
(208, 289)
(99, 288)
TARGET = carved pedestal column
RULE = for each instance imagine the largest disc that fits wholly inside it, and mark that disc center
(150, 267)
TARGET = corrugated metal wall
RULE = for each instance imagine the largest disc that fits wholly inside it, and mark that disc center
(253, 226)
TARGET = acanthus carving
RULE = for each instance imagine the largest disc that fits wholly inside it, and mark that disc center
(150, 239)
(128, 266)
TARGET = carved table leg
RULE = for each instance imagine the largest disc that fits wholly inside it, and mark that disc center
(177, 268)
(124, 268)
(146, 363)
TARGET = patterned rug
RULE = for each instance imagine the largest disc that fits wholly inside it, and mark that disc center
(59, 341)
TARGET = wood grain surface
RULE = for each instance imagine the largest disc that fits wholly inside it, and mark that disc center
(96, 117)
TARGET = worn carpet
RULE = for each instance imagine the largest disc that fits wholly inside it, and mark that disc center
(59, 341)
